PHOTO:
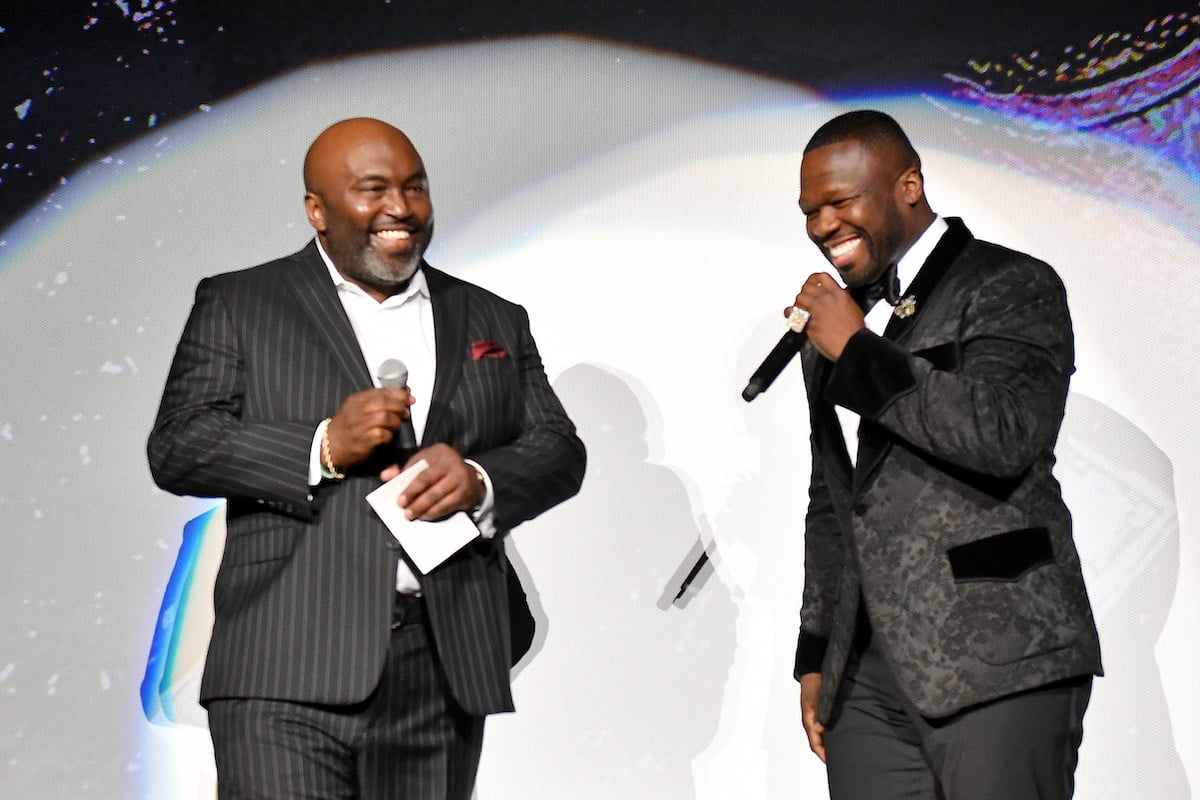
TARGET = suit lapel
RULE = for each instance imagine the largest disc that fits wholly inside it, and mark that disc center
(873, 444)
(827, 429)
(944, 253)
(317, 296)
(450, 310)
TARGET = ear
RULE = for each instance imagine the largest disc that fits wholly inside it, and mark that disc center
(911, 186)
(316, 211)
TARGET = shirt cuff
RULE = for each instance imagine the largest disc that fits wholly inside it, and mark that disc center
(485, 515)
(316, 470)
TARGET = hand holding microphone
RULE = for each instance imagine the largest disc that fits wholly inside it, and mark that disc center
(371, 418)
(838, 318)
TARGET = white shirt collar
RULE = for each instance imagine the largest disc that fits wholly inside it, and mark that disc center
(910, 263)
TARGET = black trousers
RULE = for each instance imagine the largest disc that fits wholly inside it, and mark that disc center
(408, 741)
(1024, 746)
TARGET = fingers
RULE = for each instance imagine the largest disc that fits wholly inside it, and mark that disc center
(817, 285)
(430, 501)
(810, 690)
(813, 728)
(826, 313)
(816, 739)
(797, 318)
(365, 421)
(446, 485)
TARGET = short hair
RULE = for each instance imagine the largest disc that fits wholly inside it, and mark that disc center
(873, 129)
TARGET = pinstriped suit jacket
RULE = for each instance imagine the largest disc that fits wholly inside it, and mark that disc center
(303, 598)
(951, 527)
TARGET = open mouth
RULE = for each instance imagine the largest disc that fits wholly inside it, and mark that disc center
(393, 241)
(842, 252)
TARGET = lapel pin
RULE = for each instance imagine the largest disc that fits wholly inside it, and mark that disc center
(906, 307)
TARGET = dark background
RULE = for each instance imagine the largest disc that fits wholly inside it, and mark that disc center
(99, 73)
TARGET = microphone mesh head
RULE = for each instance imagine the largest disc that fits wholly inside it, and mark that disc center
(393, 372)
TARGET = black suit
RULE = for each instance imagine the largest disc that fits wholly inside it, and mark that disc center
(304, 596)
(950, 528)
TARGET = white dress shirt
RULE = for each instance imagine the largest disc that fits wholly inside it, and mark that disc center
(406, 317)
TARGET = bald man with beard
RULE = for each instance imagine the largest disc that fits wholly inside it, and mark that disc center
(336, 668)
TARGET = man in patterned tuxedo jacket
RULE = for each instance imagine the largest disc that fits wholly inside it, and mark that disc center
(946, 645)
(337, 669)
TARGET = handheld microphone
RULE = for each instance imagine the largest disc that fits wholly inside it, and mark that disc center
(773, 364)
(394, 372)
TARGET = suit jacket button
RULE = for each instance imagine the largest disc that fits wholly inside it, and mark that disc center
(392, 544)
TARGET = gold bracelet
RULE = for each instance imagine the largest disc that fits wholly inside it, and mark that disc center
(326, 456)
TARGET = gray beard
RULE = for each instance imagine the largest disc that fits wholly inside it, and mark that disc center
(374, 269)
(384, 272)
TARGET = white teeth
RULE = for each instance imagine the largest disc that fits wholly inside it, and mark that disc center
(393, 234)
(837, 251)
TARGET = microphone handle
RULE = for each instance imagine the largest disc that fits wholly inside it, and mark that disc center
(406, 437)
(393, 372)
(779, 357)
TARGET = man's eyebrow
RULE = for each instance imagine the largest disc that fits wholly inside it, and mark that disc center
(840, 197)
(379, 176)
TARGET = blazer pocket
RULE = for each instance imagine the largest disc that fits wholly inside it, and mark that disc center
(489, 368)
(488, 398)
(944, 357)
(259, 546)
(1003, 557)
(253, 560)
(1012, 601)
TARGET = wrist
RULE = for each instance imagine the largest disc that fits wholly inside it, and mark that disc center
(328, 468)
(480, 486)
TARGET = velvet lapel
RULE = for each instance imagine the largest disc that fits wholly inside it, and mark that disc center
(450, 309)
(318, 297)
(872, 443)
(944, 253)
(827, 429)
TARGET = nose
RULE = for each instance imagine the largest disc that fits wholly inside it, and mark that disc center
(822, 223)
(396, 204)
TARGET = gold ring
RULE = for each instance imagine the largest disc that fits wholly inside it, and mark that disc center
(797, 319)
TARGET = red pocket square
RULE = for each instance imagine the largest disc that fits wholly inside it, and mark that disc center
(486, 348)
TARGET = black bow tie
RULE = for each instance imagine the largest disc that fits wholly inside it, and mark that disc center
(886, 287)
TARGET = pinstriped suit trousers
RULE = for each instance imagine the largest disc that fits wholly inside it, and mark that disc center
(408, 741)
(1021, 747)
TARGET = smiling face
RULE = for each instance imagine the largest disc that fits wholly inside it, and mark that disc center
(864, 207)
(368, 198)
